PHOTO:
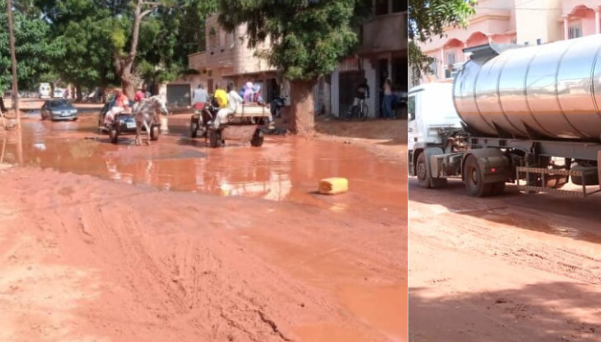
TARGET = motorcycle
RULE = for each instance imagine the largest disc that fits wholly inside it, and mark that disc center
(200, 120)
(276, 105)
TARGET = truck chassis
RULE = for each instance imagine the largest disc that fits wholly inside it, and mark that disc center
(486, 164)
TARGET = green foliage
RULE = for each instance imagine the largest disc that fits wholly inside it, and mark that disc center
(34, 49)
(428, 18)
(308, 37)
(96, 31)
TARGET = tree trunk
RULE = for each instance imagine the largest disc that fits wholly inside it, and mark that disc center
(13, 56)
(124, 64)
(302, 108)
(79, 96)
(129, 88)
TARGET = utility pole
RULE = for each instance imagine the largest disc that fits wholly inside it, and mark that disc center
(11, 34)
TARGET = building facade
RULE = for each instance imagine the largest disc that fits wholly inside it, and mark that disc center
(524, 22)
(382, 54)
(227, 59)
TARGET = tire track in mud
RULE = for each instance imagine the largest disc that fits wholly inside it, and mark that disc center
(512, 234)
(169, 269)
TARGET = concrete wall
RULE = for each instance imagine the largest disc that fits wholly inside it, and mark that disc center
(538, 19)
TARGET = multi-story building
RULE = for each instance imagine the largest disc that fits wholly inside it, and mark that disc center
(382, 54)
(227, 58)
(524, 22)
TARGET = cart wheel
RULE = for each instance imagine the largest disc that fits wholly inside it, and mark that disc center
(257, 140)
(154, 132)
(114, 134)
(214, 138)
(193, 129)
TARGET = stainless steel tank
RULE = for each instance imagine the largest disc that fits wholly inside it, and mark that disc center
(550, 91)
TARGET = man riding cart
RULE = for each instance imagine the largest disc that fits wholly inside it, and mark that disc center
(232, 119)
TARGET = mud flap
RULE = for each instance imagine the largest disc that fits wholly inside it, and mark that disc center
(431, 160)
(495, 165)
(243, 133)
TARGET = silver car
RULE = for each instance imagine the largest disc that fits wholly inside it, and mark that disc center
(59, 110)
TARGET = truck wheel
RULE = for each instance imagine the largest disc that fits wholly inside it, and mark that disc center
(257, 140)
(193, 129)
(114, 134)
(474, 179)
(421, 170)
(423, 175)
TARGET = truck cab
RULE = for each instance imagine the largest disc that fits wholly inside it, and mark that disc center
(430, 110)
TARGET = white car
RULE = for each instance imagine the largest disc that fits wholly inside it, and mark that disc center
(44, 90)
(59, 93)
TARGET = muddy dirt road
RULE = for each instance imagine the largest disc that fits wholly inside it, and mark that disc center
(511, 268)
(176, 242)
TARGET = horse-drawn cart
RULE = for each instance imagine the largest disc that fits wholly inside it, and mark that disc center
(243, 126)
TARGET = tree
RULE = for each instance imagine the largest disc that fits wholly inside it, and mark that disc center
(428, 18)
(118, 41)
(307, 39)
(13, 60)
(35, 49)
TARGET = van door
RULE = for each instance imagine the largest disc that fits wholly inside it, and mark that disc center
(414, 116)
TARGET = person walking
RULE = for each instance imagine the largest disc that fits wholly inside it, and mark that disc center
(388, 99)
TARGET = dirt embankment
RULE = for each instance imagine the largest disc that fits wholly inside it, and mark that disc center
(82, 259)
(507, 269)
(385, 138)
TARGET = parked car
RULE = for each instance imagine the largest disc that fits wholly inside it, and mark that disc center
(59, 110)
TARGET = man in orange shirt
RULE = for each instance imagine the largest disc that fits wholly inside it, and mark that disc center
(120, 104)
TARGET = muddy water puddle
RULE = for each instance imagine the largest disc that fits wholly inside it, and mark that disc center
(284, 169)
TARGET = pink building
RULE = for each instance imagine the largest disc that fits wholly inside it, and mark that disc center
(512, 21)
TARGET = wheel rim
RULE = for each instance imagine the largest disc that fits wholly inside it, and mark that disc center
(421, 171)
(475, 177)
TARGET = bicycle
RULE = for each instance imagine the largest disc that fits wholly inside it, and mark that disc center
(359, 111)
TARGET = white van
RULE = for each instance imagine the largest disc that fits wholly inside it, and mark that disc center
(44, 90)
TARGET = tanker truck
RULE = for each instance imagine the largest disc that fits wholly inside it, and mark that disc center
(527, 115)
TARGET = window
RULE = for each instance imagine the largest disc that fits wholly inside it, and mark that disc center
(433, 67)
(514, 41)
(411, 108)
(450, 58)
(575, 32)
(381, 7)
(399, 6)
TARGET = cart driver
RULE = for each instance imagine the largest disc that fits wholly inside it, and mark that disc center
(222, 97)
(121, 104)
(234, 101)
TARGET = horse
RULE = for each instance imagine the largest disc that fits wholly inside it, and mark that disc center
(146, 113)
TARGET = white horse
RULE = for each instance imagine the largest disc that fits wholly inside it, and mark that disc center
(147, 113)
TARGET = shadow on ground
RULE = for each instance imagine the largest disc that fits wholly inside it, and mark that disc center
(557, 311)
(576, 218)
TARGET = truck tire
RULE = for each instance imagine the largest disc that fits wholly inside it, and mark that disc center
(474, 179)
(424, 179)
(421, 171)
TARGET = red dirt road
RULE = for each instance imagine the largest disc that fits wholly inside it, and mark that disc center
(511, 268)
(84, 258)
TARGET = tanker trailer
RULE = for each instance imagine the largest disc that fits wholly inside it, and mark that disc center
(528, 115)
